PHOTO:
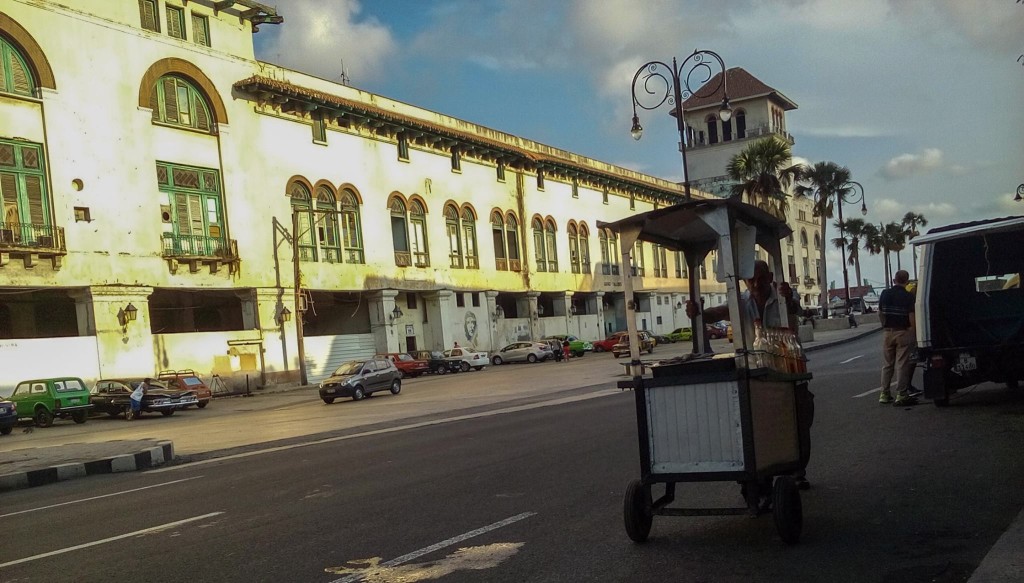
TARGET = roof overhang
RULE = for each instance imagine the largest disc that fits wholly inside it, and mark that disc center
(972, 230)
(255, 12)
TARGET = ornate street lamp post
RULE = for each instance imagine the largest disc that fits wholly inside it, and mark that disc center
(847, 195)
(661, 83)
(674, 84)
(1020, 193)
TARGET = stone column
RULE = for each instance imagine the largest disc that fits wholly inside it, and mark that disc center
(599, 309)
(491, 306)
(566, 306)
(280, 346)
(439, 309)
(84, 311)
(382, 306)
(531, 308)
(125, 348)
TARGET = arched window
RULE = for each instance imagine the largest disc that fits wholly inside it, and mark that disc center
(584, 249)
(741, 124)
(574, 247)
(15, 75)
(469, 238)
(817, 240)
(498, 238)
(176, 101)
(539, 249)
(602, 242)
(327, 225)
(418, 234)
(610, 254)
(727, 130)
(512, 242)
(351, 227)
(303, 209)
(551, 248)
(23, 195)
(197, 210)
(400, 232)
(451, 223)
(637, 256)
(803, 238)
(712, 123)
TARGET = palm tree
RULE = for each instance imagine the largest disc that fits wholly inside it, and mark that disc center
(854, 229)
(763, 172)
(893, 241)
(871, 235)
(825, 182)
(911, 221)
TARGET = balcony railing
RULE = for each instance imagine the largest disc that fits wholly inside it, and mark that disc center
(610, 268)
(28, 236)
(195, 246)
(515, 265)
(403, 258)
(501, 264)
(754, 132)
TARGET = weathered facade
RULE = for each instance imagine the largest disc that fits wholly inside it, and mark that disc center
(163, 191)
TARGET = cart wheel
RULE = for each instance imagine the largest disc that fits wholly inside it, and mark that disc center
(788, 511)
(636, 510)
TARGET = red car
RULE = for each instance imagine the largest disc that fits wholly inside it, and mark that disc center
(608, 343)
(407, 365)
(187, 380)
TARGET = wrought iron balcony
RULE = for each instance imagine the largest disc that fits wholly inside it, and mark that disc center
(196, 246)
(32, 237)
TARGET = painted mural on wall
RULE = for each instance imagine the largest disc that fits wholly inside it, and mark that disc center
(469, 326)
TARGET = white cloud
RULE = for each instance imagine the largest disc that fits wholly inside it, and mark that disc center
(846, 131)
(320, 35)
(907, 165)
(888, 210)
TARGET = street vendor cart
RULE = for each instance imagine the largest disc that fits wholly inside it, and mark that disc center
(718, 417)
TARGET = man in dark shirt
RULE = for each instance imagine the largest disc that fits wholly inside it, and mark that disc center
(896, 313)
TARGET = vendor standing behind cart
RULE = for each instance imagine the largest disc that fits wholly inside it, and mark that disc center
(761, 302)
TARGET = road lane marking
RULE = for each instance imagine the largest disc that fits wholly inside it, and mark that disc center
(98, 497)
(189, 465)
(437, 546)
(866, 393)
(852, 359)
(109, 540)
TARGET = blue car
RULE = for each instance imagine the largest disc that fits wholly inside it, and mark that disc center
(8, 417)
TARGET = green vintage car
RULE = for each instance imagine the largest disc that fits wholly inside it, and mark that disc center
(577, 347)
(43, 399)
(680, 334)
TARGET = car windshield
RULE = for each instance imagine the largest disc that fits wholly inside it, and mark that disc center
(405, 358)
(350, 367)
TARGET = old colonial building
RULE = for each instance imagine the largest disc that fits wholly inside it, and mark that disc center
(171, 202)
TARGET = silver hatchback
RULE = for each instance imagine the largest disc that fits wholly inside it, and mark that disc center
(522, 352)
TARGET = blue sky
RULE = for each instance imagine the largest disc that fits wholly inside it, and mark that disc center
(921, 99)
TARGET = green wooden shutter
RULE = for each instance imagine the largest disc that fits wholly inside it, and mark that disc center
(195, 209)
(170, 100)
(174, 23)
(19, 76)
(34, 196)
(8, 196)
(154, 104)
(200, 32)
(181, 218)
(202, 116)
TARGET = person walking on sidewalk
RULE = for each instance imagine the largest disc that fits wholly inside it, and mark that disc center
(896, 314)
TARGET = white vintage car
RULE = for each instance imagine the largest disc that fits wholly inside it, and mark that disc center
(469, 358)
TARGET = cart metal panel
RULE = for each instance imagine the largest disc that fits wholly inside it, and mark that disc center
(695, 428)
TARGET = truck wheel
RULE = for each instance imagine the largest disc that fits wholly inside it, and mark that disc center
(43, 418)
(80, 416)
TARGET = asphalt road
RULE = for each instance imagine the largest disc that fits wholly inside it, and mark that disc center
(899, 495)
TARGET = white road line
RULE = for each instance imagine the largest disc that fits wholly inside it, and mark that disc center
(866, 393)
(437, 546)
(385, 431)
(852, 359)
(111, 539)
(97, 497)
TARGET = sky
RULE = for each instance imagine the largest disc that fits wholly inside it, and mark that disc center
(923, 100)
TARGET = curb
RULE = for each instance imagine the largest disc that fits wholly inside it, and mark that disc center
(141, 460)
(841, 341)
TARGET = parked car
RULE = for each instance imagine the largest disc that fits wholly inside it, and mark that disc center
(662, 339)
(622, 347)
(187, 380)
(8, 416)
(436, 361)
(717, 329)
(361, 378)
(608, 343)
(680, 335)
(43, 399)
(407, 365)
(522, 352)
(113, 397)
(468, 358)
(577, 347)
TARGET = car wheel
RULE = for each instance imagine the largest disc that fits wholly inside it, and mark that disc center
(464, 366)
(396, 386)
(43, 418)
(80, 416)
(650, 350)
(442, 370)
(497, 361)
(6, 430)
(167, 412)
(578, 354)
(530, 358)
(599, 348)
(615, 354)
(358, 394)
(202, 404)
(328, 400)
(114, 413)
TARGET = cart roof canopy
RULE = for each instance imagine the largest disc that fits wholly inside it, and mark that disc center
(687, 226)
(970, 229)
